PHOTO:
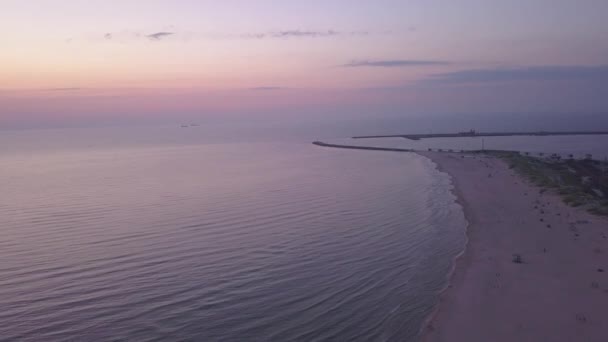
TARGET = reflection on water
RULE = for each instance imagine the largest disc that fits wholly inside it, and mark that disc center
(221, 242)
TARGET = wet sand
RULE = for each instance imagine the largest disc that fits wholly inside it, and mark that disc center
(559, 291)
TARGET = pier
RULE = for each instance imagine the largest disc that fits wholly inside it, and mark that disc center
(319, 143)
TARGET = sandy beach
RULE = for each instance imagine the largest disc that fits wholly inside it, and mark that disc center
(559, 290)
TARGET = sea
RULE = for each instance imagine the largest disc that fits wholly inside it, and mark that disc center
(209, 233)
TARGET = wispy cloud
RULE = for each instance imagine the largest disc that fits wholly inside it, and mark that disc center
(266, 88)
(283, 34)
(300, 34)
(393, 63)
(291, 34)
(40, 90)
(286, 34)
(530, 73)
(159, 35)
(62, 89)
(134, 35)
(315, 34)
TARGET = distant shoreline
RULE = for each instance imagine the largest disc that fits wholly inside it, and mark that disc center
(474, 134)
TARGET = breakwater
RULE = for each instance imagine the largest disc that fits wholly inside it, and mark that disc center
(319, 143)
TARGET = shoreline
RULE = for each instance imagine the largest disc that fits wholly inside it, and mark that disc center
(559, 292)
(428, 322)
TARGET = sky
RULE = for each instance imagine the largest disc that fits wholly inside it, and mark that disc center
(77, 61)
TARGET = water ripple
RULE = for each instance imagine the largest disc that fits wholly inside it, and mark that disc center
(223, 242)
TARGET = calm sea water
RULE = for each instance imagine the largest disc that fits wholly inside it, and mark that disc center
(177, 234)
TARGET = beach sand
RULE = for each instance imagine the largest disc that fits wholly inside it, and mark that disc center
(560, 290)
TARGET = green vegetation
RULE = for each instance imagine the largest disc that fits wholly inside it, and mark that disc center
(581, 183)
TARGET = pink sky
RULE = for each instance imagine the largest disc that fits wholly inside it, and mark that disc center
(72, 60)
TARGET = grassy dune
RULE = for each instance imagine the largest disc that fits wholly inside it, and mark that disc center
(581, 183)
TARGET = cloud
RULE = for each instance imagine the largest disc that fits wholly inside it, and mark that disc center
(62, 89)
(266, 88)
(530, 73)
(126, 36)
(283, 34)
(304, 34)
(159, 35)
(17, 91)
(395, 63)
